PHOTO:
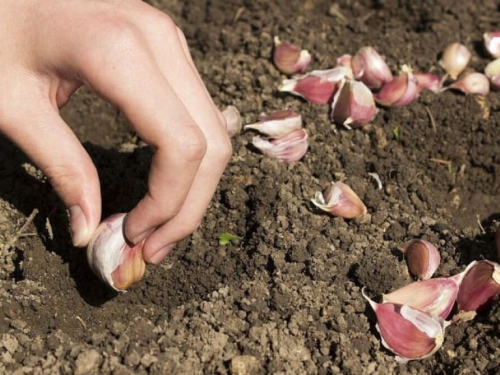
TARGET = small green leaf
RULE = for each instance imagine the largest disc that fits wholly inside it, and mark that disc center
(225, 238)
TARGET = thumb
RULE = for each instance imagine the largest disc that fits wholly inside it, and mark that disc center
(46, 139)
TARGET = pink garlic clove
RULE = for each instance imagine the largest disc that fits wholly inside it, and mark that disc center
(492, 43)
(401, 91)
(111, 258)
(435, 297)
(353, 105)
(339, 200)
(318, 86)
(233, 119)
(455, 58)
(471, 83)
(370, 68)
(289, 148)
(277, 124)
(289, 58)
(428, 81)
(480, 285)
(492, 71)
(346, 61)
(407, 332)
(422, 257)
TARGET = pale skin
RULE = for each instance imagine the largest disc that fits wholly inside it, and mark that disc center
(135, 57)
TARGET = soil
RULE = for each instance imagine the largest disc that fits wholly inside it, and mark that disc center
(287, 298)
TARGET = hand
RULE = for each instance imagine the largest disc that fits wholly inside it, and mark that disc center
(133, 56)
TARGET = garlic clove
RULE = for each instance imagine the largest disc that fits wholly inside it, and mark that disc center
(289, 148)
(289, 58)
(455, 58)
(111, 258)
(353, 105)
(434, 296)
(479, 286)
(407, 332)
(422, 257)
(339, 200)
(492, 43)
(370, 68)
(428, 81)
(233, 119)
(401, 91)
(346, 61)
(492, 71)
(277, 124)
(471, 83)
(318, 86)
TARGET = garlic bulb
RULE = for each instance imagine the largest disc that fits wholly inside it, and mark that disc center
(110, 256)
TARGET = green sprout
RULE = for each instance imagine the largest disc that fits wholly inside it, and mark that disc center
(396, 132)
(225, 238)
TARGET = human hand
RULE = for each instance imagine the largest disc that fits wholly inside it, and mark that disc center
(133, 56)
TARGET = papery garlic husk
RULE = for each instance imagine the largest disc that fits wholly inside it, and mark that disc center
(353, 105)
(339, 200)
(471, 83)
(370, 68)
(407, 332)
(428, 81)
(492, 71)
(111, 258)
(318, 86)
(435, 297)
(401, 91)
(492, 43)
(233, 119)
(422, 258)
(277, 124)
(289, 58)
(455, 58)
(480, 285)
(289, 148)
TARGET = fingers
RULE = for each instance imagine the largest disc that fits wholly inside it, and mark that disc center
(38, 130)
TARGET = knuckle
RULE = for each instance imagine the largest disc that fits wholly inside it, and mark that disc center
(222, 149)
(192, 145)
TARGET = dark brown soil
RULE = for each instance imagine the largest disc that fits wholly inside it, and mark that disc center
(287, 299)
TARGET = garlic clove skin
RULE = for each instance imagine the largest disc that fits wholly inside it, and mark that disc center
(288, 148)
(492, 43)
(370, 68)
(492, 71)
(428, 81)
(277, 124)
(422, 258)
(289, 58)
(407, 332)
(455, 58)
(346, 61)
(339, 200)
(111, 258)
(401, 91)
(233, 119)
(353, 105)
(435, 297)
(479, 286)
(471, 83)
(318, 86)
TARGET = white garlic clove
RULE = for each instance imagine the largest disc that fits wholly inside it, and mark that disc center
(289, 58)
(492, 43)
(288, 148)
(318, 86)
(277, 124)
(339, 200)
(233, 119)
(455, 58)
(353, 105)
(422, 258)
(492, 71)
(471, 83)
(401, 91)
(428, 81)
(479, 286)
(370, 68)
(111, 258)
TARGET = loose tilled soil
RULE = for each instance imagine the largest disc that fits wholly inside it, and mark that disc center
(287, 299)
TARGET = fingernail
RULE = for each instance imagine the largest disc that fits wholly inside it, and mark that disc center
(161, 254)
(79, 226)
